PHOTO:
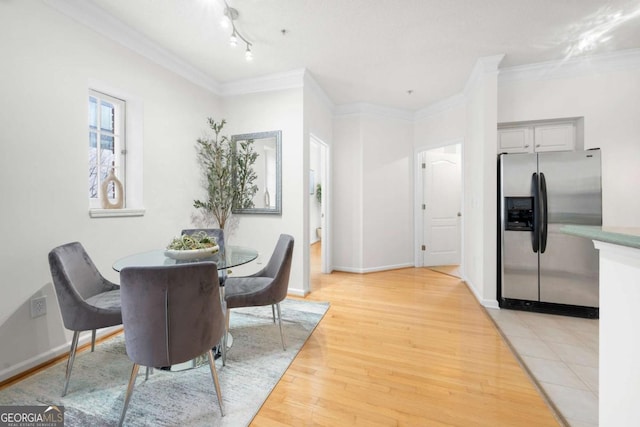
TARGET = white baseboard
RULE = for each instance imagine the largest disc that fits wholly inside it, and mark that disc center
(297, 292)
(347, 269)
(25, 365)
(488, 303)
(372, 269)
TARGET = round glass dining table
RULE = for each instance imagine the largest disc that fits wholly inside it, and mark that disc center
(232, 256)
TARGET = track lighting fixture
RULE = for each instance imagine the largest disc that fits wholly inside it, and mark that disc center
(230, 15)
(228, 21)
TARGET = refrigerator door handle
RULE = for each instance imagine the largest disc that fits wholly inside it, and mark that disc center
(544, 211)
(535, 241)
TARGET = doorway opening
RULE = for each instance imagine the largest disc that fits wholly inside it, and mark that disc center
(439, 208)
(319, 221)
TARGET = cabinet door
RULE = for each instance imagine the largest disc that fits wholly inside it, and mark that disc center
(556, 137)
(515, 140)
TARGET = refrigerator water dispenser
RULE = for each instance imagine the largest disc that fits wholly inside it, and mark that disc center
(519, 213)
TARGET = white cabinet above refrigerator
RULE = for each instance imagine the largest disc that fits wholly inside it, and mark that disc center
(537, 137)
(515, 140)
(558, 137)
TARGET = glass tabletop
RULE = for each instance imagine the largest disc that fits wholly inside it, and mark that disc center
(233, 256)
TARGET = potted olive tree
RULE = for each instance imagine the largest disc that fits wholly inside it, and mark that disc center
(229, 178)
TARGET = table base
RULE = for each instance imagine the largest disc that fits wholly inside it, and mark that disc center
(200, 360)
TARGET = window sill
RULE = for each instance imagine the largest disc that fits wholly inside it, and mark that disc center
(115, 213)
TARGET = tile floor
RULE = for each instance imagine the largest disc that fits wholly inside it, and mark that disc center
(562, 355)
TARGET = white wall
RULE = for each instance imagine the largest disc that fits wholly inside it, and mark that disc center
(479, 230)
(47, 63)
(436, 128)
(348, 193)
(267, 111)
(609, 101)
(387, 205)
(373, 162)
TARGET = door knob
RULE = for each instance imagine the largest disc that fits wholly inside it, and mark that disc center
(459, 214)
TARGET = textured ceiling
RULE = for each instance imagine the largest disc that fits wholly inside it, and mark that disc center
(375, 51)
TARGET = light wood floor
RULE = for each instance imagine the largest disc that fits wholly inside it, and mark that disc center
(409, 347)
(406, 347)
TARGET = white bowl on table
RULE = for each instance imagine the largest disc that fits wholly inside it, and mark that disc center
(191, 254)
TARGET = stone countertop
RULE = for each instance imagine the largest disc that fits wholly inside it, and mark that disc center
(623, 236)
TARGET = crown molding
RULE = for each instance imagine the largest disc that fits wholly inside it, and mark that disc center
(280, 81)
(363, 108)
(89, 14)
(313, 86)
(485, 65)
(574, 67)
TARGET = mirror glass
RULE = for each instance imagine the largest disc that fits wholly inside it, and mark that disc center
(268, 170)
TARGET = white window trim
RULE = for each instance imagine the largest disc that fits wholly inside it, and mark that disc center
(134, 118)
(119, 140)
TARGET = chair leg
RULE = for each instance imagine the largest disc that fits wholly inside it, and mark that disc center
(146, 374)
(224, 338)
(72, 357)
(132, 382)
(93, 340)
(273, 312)
(280, 323)
(216, 383)
(223, 350)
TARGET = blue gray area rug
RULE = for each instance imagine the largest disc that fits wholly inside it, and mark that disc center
(255, 364)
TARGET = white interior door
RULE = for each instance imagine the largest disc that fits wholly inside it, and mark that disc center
(441, 174)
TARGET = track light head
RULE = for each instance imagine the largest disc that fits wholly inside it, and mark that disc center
(230, 15)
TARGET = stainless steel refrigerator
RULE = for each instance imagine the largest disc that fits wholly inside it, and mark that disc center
(540, 268)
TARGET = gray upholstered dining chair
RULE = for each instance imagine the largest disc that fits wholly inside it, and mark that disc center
(171, 314)
(218, 234)
(266, 287)
(87, 300)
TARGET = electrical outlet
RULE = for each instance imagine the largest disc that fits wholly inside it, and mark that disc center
(38, 307)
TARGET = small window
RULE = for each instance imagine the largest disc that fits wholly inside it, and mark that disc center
(107, 145)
